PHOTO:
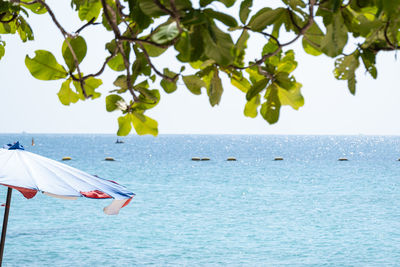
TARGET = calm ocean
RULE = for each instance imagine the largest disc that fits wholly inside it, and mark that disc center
(309, 209)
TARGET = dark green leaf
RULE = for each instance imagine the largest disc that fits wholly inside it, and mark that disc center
(265, 17)
(78, 44)
(256, 88)
(240, 47)
(215, 89)
(368, 58)
(224, 18)
(24, 30)
(218, 45)
(245, 10)
(147, 99)
(270, 109)
(336, 36)
(227, 3)
(137, 15)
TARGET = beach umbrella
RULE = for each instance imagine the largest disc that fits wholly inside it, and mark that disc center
(30, 173)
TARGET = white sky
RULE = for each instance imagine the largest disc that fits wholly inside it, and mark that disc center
(32, 106)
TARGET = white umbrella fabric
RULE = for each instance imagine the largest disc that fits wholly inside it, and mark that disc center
(29, 173)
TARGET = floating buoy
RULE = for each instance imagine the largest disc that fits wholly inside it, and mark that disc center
(66, 158)
(343, 159)
(109, 159)
(205, 159)
(278, 158)
(196, 159)
(231, 159)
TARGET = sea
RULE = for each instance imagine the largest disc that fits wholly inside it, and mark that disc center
(308, 209)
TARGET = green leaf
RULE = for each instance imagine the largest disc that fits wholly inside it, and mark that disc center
(345, 68)
(215, 89)
(36, 8)
(117, 63)
(137, 15)
(309, 48)
(66, 95)
(240, 48)
(6, 28)
(291, 96)
(270, 109)
(250, 109)
(254, 75)
(114, 102)
(368, 58)
(336, 36)
(165, 33)
(144, 125)
(91, 84)
(224, 18)
(217, 45)
(124, 125)
(245, 10)
(147, 99)
(193, 83)
(140, 66)
(24, 30)
(78, 44)
(227, 3)
(241, 83)
(167, 85)
(150, 8)
(287, 63)
(44, 66)
(256, 88)
(153, 51)
(2, 50)
(89, 10)
(312, 40)
(265, 17)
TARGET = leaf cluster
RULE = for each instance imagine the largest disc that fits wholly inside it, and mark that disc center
(210, 46)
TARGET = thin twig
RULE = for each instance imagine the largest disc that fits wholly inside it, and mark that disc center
(91, 22)
(173, 79)
(15, 15)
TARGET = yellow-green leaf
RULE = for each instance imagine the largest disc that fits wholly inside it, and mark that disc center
(44, 66)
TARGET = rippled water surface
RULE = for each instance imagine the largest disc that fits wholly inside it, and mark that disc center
(309, 208)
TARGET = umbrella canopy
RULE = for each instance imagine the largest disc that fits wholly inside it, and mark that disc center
(29, 173)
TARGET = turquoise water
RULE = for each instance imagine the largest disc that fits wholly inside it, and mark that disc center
(309, 209)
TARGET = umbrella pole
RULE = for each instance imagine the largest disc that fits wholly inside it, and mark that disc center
(5, 221)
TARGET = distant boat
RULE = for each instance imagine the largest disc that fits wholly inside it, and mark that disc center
(119, 141)
(33, 142)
